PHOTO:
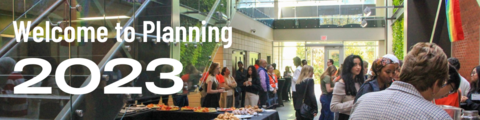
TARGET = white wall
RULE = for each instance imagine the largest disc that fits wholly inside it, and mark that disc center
(350, 34)
(246, 24)
(248, 42)
(390, 31)
(381, 48)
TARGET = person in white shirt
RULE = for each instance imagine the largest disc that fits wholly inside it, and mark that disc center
(297, 62)
(464, 84)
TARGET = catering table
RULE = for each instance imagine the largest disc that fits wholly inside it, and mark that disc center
(187, 115)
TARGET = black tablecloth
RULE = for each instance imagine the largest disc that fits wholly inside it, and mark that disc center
(187, 115)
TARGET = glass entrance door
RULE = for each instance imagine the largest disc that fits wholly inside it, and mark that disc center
(316, 58)
(334, 53)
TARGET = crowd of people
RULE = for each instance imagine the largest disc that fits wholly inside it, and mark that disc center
(390, 89)
(255, 86)
(393, 89)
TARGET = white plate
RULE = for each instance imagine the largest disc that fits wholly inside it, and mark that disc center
(137, 108)
(123, 111)
(269, 110)
(243, 116)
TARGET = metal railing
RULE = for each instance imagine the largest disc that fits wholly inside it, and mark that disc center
(77, 99)
(24, 14)
(13, 42)
(217, 46)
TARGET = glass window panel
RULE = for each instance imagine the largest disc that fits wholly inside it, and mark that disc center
(335, 55)
(353, 43)
(288, 12)
(328, 10)
(368, 54)
(317, 61)
(306, 11)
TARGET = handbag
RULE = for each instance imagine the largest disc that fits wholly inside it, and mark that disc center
(306, 111)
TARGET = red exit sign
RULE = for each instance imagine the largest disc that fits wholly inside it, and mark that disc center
(323, 37)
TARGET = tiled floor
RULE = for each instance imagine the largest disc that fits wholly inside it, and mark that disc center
(288, 113)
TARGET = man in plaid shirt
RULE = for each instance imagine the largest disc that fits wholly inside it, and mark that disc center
(423, 74)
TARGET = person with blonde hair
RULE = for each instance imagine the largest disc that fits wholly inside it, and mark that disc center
(306, 95)
(423, 74)
(327, 88)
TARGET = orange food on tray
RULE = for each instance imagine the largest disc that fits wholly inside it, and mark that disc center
(169, 108)
(161, 105)
(187, 108)
(149, 105)
(204, 110)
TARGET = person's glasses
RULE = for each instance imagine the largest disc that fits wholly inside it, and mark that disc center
(453, 90)
(473, 73)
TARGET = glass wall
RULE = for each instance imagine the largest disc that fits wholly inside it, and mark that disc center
(310, 13)
(314, 53)
(284, 52)
(368, 50)
(74, 13)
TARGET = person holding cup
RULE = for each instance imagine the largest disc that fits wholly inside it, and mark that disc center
(252, 87)
(213, 90)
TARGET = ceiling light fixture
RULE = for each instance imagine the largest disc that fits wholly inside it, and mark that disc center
(364, 23)
(367, 11)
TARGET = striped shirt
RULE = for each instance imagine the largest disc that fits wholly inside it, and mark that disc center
(14, 107)
(401, 101)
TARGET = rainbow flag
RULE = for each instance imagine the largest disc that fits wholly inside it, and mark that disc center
(454, 20)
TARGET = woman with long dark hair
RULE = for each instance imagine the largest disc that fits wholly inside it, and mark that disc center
(474, 75)
(252, 86)
(346, 88)
(473, 103)
(213, 91)
(384, 71)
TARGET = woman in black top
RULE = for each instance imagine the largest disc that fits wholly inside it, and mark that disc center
(252, 86)
(306, 93)
(472, 103)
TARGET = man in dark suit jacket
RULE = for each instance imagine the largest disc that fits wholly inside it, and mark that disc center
(240, 77)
